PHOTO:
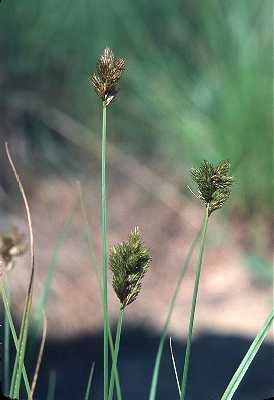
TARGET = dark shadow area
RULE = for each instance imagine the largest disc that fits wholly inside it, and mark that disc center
(214, 360)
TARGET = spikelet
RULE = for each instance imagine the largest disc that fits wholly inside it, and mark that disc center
(129, 261)
(12, 244)
(214, 183)
(108, 73)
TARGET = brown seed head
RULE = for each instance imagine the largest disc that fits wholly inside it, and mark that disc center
(108, 72)
(12, 244)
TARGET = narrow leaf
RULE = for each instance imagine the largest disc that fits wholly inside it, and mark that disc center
(247, 360)
(88, 389)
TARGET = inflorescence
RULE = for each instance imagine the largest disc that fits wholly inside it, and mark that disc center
(214, 183)
(12, 244)
(108, 73)
(129, 261)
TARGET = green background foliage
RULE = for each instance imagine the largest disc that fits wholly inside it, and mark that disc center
(198, 82)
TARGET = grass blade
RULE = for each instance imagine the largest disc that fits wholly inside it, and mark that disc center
(99, 281)
(44, 296)
(247, 360)
(174, 366)
(39, 359)
(6, 363)
(193, 307)
(155, 376)
(20, 354)
(13, 332)
(116, 352)
(88, 390)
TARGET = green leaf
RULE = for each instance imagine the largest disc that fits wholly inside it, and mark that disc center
(247, 360)
(88, 389)
(155, 376)
(20, 354)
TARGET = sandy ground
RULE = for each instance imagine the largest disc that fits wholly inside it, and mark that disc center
(230, 301)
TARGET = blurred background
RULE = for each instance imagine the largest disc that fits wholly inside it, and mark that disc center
(198, 85)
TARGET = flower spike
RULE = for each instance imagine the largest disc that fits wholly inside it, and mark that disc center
(108, 73)
(12, 244)
(129, 261)
(214, 183)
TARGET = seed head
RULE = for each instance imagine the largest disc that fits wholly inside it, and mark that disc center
(129, 261)
(108, 72)
(12, 244)
(214, 183)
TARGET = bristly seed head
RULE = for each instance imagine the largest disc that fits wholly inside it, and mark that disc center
(214, 183)
(12, 244)
(129, 261)
(108, 72)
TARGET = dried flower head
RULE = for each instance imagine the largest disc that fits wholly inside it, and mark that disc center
(12, 244)
(108, 73)
(214, 183)
(129, 262)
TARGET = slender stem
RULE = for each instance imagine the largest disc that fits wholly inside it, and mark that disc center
(99, 280)
(13, 332)
(247, 360)
(116, 351)
(88, 389)
(104, 249)
(6, 344)
(174, 366)
(155, 376)
(193, 306)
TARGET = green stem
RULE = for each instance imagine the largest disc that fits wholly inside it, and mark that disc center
(104, 249)
(116, 351)
(6, 365)
(88, 390)
(193, 307)
(154, 382)
(13, 332)
(99, 280)
(247, 360)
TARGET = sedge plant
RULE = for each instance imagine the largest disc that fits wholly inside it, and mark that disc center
(108, 73)
(129, 261)
(214, 188)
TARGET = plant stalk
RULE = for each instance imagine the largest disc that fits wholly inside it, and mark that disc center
(193, 307)
(116, 352)
(6, 365)
(104, 249)
(13, 332)
(156, 370)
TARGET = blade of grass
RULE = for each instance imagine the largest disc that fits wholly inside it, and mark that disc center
(20, 354)
(6, 364)
(99, 281)
(52, 385)
(44, 296)
(193, 307)
(116, 352)
(88, 389)
(247, 360)
(174, 366)
(155, 376)
(104, 248)
(39, 359)
(13, 332)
